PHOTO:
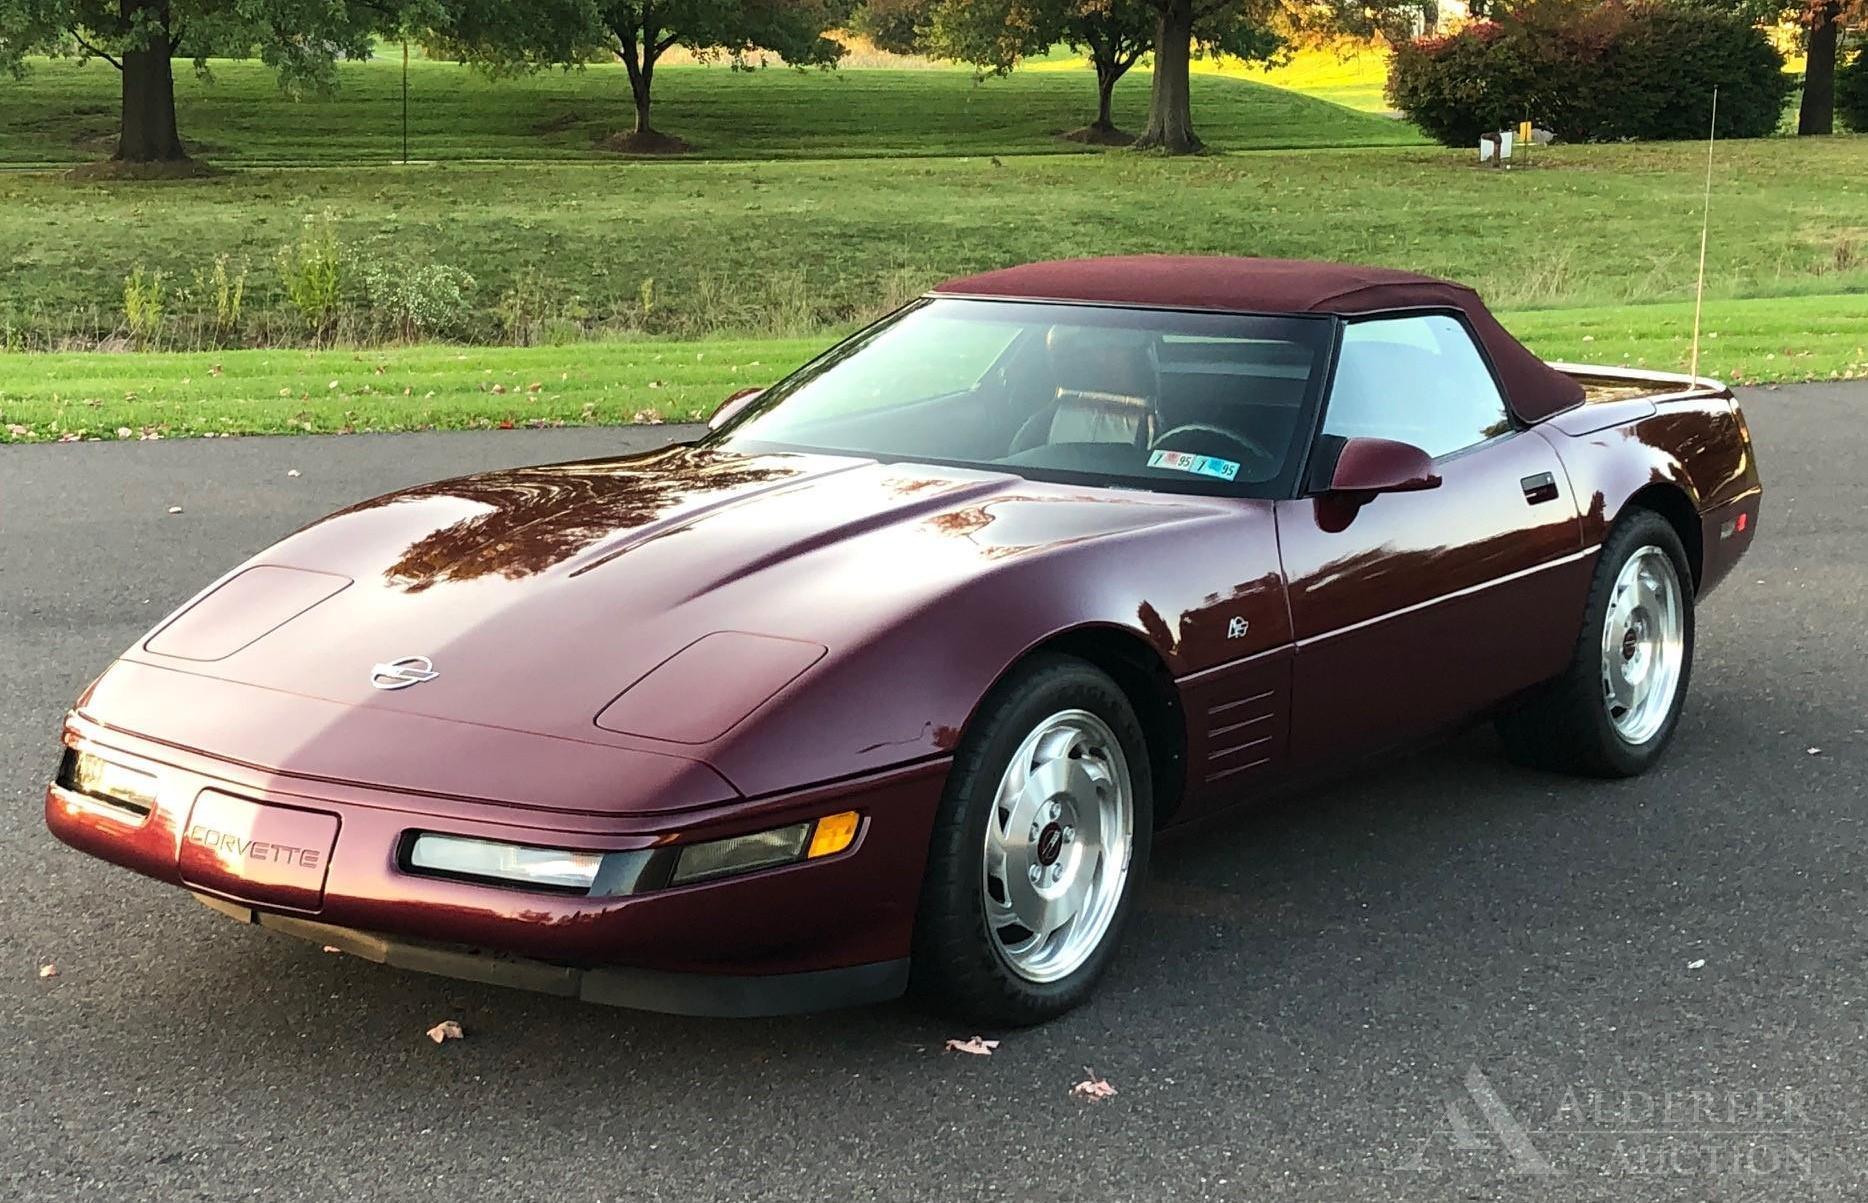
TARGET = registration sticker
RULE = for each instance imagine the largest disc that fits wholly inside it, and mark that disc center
(1204, 465)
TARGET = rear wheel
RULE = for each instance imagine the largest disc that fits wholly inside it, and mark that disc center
(1616, 706)
(1042, 837)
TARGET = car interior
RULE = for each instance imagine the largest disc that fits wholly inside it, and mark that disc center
(1106, 399)
(1092, 399)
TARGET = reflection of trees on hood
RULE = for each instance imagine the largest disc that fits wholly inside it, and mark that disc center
(536, 518)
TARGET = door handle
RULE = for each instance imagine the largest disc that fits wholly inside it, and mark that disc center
(1539, 488)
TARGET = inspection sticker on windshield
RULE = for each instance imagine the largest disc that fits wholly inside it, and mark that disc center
(1205, 465)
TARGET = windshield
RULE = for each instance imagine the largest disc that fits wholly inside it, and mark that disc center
(1203, 402)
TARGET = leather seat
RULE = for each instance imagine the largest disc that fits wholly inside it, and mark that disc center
(1104, 391)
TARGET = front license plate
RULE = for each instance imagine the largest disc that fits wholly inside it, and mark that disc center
(259, 853)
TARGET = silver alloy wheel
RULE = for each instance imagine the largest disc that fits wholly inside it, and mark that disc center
(1643, 644)
(1057, 846)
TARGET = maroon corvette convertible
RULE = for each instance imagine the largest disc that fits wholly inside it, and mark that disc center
(889, 678)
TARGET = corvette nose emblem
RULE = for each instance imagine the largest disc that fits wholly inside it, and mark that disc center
(400, 674)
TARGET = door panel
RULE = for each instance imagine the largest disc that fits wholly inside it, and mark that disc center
(1238, 729)
(1414, 609)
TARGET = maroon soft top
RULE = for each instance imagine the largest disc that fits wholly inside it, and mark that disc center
(1534, 389)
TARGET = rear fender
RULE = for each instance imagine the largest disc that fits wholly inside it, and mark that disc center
(1695, 450)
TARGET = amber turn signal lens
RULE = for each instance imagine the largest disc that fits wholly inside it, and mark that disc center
(834, 833)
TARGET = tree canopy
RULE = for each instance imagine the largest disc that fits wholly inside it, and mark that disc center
(995, 34)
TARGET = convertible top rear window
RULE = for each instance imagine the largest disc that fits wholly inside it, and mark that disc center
(1163, 399)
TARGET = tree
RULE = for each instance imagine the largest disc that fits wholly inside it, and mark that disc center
(1816, 114)
(503, 34)
(995, 34)
(1238, 27)
(302, 39)
(894, 26)
(1250, 30)
(1821, 22)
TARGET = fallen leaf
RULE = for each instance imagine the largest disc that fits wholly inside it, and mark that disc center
(499, 390)
(331, 385)
(1092, 1087)
(291, 471)
(1814, 751)
(124, 432)
(446, 1030)
(175, 509)
(979, 1046)
(335, 948)
(534, 386)
(48, 971)
(646, 417)
(1699, 964)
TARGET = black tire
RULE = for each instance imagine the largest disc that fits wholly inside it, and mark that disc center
(1566, 726)
(958, 965)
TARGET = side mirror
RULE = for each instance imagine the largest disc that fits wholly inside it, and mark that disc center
(731, 406)
(1368, 465)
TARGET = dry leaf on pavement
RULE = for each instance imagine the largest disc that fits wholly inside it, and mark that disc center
(446, 1030)
(979, 1046)
(48, 971)
(1092, 1087)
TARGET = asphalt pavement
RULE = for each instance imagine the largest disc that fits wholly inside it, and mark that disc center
(1441, 978)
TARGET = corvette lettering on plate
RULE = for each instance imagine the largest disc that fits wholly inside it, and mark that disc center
(1204, 465)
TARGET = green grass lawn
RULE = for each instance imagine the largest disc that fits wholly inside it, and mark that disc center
(65, 113)
(1348, 73)
(700, 249)
(101, 395)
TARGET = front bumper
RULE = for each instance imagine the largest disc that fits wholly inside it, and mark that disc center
(719, 995)
(849, 916)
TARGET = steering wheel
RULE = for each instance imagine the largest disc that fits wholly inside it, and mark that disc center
(1252, 449)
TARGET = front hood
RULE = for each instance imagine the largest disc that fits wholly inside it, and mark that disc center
(538, 595)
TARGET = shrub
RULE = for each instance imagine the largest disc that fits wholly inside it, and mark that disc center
(1852, 92)
(1614, 70)
(418, 302)
(311, 271)
(143, 300)
(225, 288)
(537, 309)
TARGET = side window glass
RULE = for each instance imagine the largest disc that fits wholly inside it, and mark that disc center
(1416, 379)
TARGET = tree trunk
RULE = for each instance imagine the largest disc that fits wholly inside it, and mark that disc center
(1817, 114)
(1106, 76)
(1170, 109)
(147, 133)
(640, 49)
(639, 82)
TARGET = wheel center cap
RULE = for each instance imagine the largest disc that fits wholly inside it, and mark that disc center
(1050, 843)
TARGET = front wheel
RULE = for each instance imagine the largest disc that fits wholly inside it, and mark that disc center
(1042, 838)
(1614, 709)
